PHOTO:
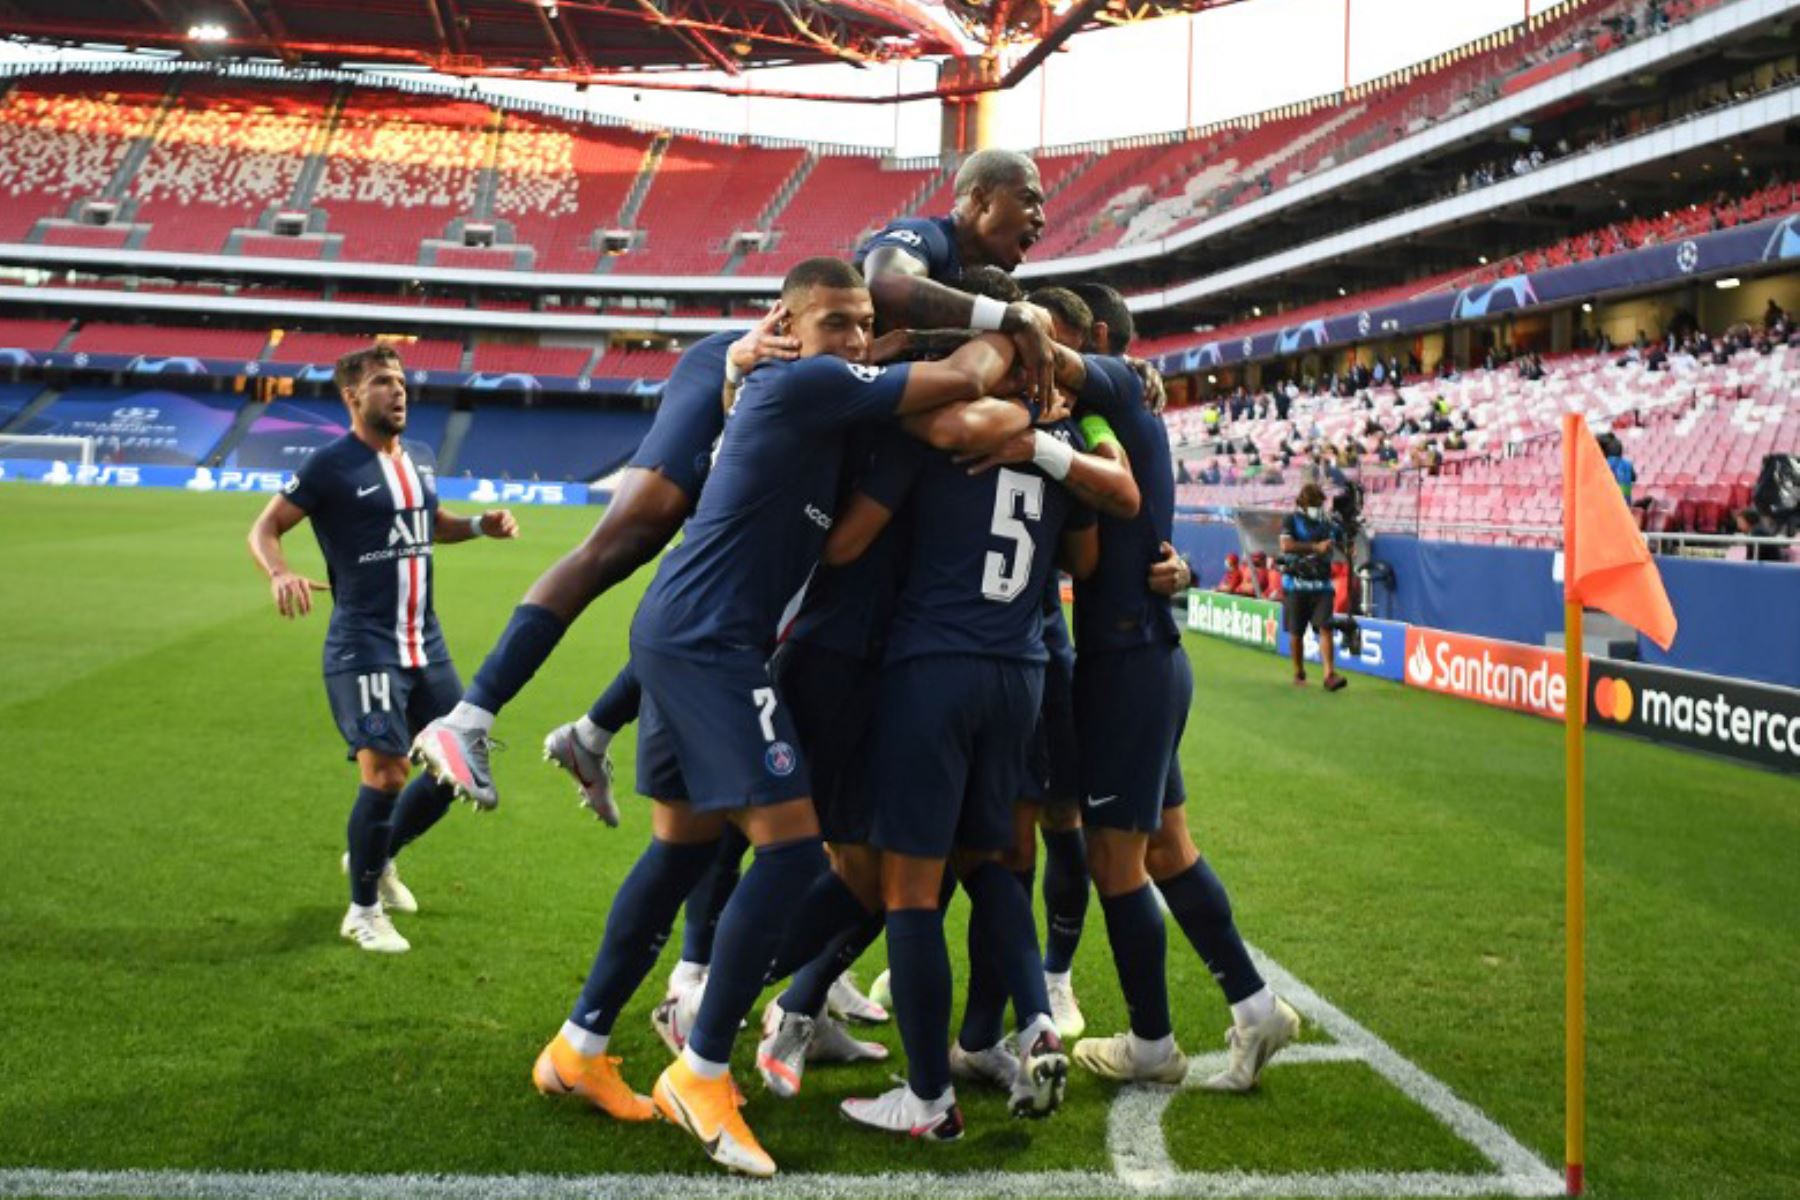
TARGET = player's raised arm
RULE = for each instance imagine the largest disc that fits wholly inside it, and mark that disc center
(1100, 478)
(292, 593)
(495, 523)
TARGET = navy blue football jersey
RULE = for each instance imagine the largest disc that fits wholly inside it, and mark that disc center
(847, 609)
(766, 507)
(931, 240)
(1115, 608)
(981, 551)
(374, 516)
(690, 417)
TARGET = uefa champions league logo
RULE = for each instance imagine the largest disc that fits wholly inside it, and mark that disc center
(1363, 323)
(1687, 256)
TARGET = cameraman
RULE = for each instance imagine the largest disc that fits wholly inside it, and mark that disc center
(1307, 537)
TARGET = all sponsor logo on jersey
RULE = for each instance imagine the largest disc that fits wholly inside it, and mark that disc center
(818, 516)
(1501, 674)
(865, 372)
(904, 236)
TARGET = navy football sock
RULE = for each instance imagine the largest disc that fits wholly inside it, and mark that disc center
(920, 964)
(828, 911)
(1198, 902)
(749, 930)
(710, 896)
(530, 636)
(1065, 896)
(1140, 946)
(811, 985)
(637, 926)
(618, 705)
(422, 804)
(1003, 909)
(984, 1010)
(367, 836)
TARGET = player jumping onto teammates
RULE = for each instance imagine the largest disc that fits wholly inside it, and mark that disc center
(374, 509)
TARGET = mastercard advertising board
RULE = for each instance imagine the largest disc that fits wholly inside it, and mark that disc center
(1501, 674)
(1751, 722)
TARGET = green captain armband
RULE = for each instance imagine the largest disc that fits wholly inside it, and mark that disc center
(1097, 432)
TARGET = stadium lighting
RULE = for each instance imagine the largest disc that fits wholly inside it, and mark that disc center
(1256, 310)
(1343, 292)
(1586, 306)
(1725, 285)
(208, 31)
(1212, 379)
(1482, 260)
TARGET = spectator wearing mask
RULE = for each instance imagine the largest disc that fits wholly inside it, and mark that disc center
(1233, 579)
(1307, 536)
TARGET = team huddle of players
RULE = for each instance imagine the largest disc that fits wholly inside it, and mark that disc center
(854, 666)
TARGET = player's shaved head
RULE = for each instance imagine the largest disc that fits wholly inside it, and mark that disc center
(993, 170)
(1110, 311)
(999, 208)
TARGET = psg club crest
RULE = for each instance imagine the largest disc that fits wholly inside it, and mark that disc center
(374, 724)
(780, 759)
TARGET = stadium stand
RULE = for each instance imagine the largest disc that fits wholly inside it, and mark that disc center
(702, 194)
(393, 152)
(17, 334)
(99, 337)
(13, 397)
(62, 139)
(832, 208)
(559, 183)
(222, 156)
(549, 443)
(325, 348)
(287, 431)
(630, 363)
(532, 360)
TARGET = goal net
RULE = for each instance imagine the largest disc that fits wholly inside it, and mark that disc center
(67, 449)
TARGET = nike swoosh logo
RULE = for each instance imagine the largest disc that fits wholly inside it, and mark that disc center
(1097, 801)
(373, 487)
(687, 1118)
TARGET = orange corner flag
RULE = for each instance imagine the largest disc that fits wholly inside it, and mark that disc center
(1606, 564)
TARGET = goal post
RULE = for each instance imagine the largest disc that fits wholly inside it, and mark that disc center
(21, 445)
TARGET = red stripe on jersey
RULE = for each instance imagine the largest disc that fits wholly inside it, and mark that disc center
(415, 646)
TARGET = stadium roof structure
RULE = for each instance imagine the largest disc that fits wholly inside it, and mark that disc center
(586, 41)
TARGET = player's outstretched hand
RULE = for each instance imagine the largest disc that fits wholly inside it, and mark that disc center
(293, 593)
(761, 342)
(1155, 394)
(498, 523)
(1169, 575)
(1060, 407)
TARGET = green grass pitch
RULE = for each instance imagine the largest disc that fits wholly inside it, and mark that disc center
(173, 993)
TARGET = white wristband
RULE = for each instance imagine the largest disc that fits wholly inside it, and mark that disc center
(475, 529)
(1051, 455)
(989, 314)
(733, 376)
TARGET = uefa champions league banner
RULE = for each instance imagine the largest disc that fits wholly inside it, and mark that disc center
(58, 473)
(1746, 246)
(141, 365)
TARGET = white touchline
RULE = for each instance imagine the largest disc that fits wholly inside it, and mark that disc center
(1134, 1137)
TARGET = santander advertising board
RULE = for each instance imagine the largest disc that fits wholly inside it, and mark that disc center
(1501, 674)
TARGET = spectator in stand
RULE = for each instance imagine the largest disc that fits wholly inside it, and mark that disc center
(1247, 581)
(1456, 441)
(1618, 464)
(1233, 579)
(1774, 316)
(1271, 583)
(1748, 522)
(1385, 452)
(1209, 474)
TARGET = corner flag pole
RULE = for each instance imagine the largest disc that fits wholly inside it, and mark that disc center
(1574, 839)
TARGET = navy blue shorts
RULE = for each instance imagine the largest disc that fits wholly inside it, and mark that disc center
(1131, 707)
(947, 757)
(380, 708)
(715, 734)
(1053, 776)
(832, 697)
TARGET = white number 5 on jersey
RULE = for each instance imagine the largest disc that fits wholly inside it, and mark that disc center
(997, 581)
